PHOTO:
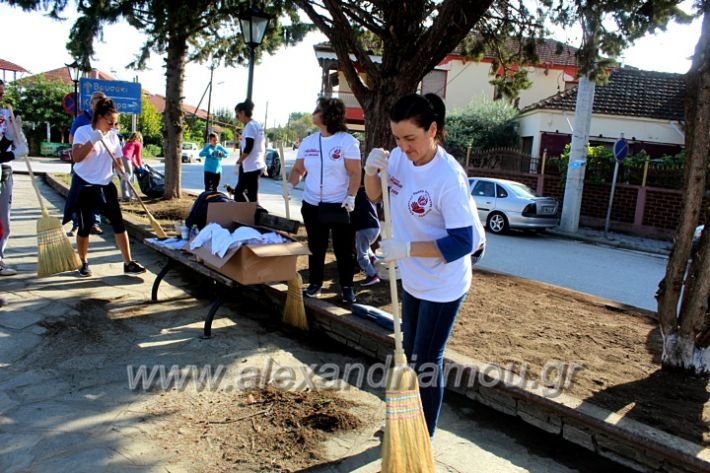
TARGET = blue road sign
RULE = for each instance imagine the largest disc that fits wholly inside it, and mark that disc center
(125, 95)
(621, 149)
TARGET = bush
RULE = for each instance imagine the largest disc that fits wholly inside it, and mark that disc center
(600, 164)
(152, 151)
(483, 124)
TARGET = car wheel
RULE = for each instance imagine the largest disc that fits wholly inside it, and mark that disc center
(497, 223)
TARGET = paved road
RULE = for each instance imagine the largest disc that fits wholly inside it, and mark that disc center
(630, 277)
(626, 276)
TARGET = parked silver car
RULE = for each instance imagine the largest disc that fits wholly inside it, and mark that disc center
(504, 204)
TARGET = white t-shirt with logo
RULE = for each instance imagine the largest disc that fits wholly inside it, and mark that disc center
(255, 160)
(425, 201)
(96, 167)
(336, 149)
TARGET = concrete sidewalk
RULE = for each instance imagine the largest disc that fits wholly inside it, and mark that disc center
(66, 342)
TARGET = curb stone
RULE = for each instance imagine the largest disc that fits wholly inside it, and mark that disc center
(625, 441)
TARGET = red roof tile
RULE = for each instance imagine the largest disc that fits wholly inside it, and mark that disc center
(9, 66)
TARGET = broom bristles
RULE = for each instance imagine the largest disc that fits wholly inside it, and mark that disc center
(55, 252)
(406, 446)
(294, 310)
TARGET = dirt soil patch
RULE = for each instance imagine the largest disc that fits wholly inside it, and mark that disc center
(540, 331)
(261, 430)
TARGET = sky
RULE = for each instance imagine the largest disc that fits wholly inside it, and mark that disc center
(286, 82)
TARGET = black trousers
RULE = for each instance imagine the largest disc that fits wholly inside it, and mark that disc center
(318, 234)
(212, 180)
(247, 188)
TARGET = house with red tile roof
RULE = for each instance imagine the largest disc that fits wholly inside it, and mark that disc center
(646, 106)
(8, 69)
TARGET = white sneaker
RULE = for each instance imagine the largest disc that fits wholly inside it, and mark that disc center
(20, 150)
(5, 270)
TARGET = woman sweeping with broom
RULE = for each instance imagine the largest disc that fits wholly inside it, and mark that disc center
(435, 229)
(92, 190)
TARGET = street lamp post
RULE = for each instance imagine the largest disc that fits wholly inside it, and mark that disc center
(74, 70)
(253, 23)
(215, 63)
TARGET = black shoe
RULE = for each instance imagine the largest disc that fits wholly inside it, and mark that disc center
(84, 271)
(96, 230)
(313, 290)
(72, 232)
(133, 268)
(349, 295)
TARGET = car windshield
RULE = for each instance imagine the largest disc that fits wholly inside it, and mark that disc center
(187, 146)
(521, 190)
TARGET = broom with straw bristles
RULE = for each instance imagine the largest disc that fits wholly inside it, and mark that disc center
(54, 250)
(294, 310)
(406, 446)
(118, 166)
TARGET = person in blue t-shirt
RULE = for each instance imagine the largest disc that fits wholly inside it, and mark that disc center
(213, 153)
(84, 118)
(367, 229)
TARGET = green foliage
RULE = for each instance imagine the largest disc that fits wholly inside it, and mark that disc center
(40, 101)
(149, 123)
(300, 125)
(610, 26)
(600, 164)
(483, 124)
(152, 151)
(194, 131)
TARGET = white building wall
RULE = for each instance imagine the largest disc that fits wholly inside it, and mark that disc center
(466, 82)
(543, 85)
(604, 127)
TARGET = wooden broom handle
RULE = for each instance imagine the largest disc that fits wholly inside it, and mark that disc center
(123, 176)
(387, 233)
(283, 176)
(18, 136)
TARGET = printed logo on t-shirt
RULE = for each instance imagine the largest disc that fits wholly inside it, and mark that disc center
(420, 203)
(336, 154)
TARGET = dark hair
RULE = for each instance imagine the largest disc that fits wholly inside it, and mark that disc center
(1, 82)
(247, 107)
(211, 135)
(103, 108)
(422, 110)
(332, 114)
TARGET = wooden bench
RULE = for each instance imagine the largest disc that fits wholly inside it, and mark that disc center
(188, 259)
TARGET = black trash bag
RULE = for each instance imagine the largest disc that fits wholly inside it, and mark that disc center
(151, 182)
(198, 212)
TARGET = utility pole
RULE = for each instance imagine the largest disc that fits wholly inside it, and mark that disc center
(266, 115)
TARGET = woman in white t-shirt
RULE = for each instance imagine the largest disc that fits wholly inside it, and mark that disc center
(92, 190)
(435, 229)
(330, 160)
(252, 161)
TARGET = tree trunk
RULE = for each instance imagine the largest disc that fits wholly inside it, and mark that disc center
(572, 203)
(377, 121)
(173, 116)
(685, 332)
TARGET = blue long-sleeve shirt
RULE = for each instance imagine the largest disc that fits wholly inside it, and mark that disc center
(213, 157)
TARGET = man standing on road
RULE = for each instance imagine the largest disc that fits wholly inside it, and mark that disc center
(19, 149)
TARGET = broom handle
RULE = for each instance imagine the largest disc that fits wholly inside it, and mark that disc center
(283, 176)
(18, 136)
(387, 233)
(123, 176)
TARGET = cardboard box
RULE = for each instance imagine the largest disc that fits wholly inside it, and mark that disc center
(249, 264)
